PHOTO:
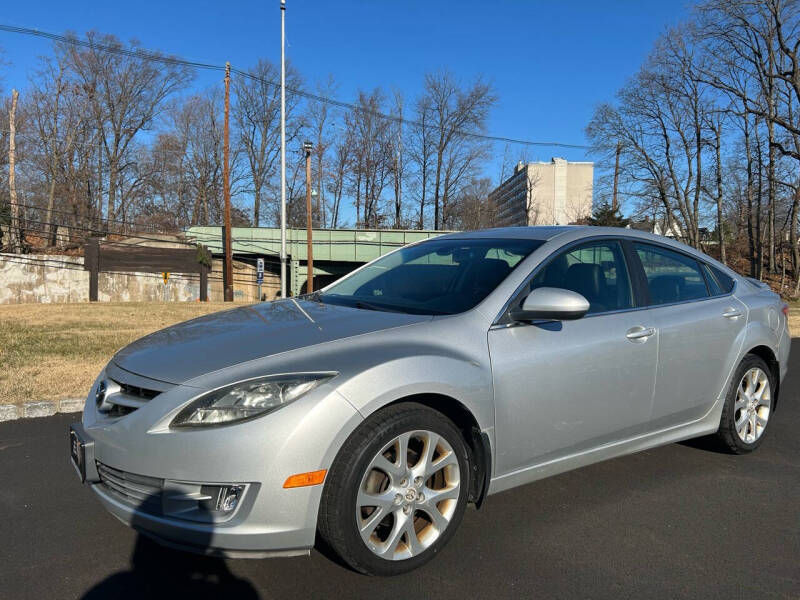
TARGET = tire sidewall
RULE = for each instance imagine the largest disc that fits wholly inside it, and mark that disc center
(356, 459)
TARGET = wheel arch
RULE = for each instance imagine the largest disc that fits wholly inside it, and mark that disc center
(768, 356)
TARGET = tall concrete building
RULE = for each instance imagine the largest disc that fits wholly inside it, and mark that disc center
(545, 193)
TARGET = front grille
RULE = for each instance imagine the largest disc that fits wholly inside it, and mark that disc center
(138, 490)
(120, 398)
(132, 390)
(117, 410)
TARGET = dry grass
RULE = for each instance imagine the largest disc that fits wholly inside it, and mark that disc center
(794, 319)
(54, 351)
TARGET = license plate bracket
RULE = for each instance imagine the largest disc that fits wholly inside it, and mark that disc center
(80, 450)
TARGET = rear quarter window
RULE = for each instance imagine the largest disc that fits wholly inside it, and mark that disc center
(724, 280)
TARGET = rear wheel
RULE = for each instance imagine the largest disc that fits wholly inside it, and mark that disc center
(397, 491)
(748, 406)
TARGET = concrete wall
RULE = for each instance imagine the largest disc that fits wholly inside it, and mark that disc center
(42, 278)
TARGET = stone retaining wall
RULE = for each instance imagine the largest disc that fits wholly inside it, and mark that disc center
(43, 278)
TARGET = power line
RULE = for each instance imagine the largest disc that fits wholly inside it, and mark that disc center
(143, 54)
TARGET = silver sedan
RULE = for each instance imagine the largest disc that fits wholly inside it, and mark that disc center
(368, 415)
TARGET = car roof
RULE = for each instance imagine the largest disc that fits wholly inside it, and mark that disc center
(546, 233)
(536, 232)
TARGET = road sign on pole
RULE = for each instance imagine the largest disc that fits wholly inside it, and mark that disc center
(165, 275)
(259, 275)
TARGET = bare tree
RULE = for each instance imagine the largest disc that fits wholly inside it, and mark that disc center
(256, 114)
(456, 112)
(194, 152)
(472, 208)
(421, 153)
(398, 158)
(319, 122)
(756, 46)
(658, 124)
(371, 163)
(715, 125)
(126, 92)
(59, 113)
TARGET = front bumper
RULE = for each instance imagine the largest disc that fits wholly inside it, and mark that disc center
(257, 455)
(233, 540)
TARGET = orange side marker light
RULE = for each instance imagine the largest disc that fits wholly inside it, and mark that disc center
(304, 479)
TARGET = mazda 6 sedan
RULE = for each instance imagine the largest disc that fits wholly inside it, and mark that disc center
(368, 415)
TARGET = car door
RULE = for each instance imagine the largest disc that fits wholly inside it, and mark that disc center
(698, 323)
(563, 387)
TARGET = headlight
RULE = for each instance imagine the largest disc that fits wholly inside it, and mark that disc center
(247, 399)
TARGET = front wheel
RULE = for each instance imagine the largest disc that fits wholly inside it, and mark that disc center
(748, 406)
(396, 491)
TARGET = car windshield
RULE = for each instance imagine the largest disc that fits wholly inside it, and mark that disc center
(437, 277)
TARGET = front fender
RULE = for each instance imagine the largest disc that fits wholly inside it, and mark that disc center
(469, 382)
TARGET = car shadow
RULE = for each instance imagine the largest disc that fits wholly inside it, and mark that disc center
(708, 443)
(158, 571)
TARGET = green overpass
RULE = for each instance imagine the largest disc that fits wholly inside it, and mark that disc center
(336, 251)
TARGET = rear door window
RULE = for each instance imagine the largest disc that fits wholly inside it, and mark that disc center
(671, 276)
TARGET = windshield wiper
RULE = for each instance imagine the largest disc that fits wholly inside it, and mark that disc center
(368, 306)
(352, 302)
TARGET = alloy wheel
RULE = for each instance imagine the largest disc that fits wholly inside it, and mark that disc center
(752, 405)
(408, 495)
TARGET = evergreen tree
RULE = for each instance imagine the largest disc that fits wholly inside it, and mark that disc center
(605, 216)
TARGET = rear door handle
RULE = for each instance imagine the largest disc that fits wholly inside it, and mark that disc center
(640, 333)
(732, 313)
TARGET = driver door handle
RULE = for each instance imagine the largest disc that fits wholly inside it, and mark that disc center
(732, 313)
(640, 333)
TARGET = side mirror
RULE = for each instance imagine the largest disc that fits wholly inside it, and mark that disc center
(551, 304)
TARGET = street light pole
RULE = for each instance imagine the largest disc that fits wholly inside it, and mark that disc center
(309, 241)
(283, 149)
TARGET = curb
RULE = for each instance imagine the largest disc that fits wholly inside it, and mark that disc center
(32, 410)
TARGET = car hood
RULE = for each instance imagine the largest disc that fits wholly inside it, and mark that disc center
(187, 350)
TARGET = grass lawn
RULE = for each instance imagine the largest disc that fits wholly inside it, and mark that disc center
(54, 351)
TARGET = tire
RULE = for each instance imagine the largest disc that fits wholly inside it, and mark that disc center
(436, 477)
(749, 404)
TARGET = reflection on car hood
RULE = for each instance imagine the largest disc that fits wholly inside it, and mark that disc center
(187, 350)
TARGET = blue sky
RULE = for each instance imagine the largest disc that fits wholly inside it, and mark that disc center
(550, 62)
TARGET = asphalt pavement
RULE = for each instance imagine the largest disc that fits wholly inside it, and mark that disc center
(682, 521)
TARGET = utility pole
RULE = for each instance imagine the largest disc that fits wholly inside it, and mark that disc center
(309, 243)
(614, 201)
(283, 149)
(16, 242)
(226, 184)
